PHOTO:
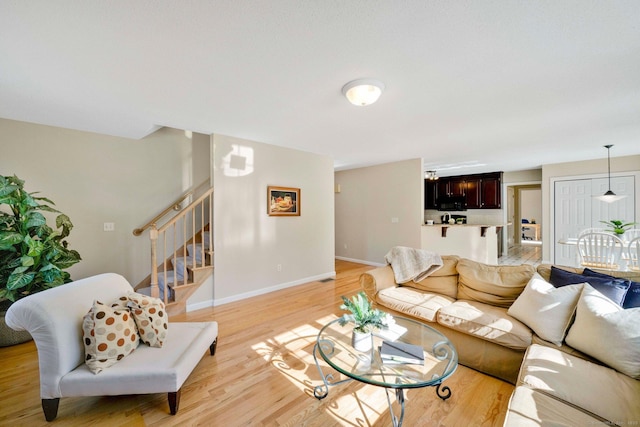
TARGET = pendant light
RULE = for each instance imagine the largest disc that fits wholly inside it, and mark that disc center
(609, 196)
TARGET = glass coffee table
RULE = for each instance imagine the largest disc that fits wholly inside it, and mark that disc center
(440, 360)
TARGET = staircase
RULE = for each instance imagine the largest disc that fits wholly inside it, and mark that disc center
(181, 252)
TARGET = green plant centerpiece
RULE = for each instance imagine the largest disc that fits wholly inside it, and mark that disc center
(364, 317)
(33, 255)
(616, 226)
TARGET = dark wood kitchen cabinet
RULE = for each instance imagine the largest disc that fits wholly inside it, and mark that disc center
(430, 194)
(482, 191)
(442, 187)
(490, 191)
(457, 186)
(473, 193)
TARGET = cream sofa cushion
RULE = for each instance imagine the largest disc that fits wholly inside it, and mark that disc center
(423, 305)
(546, 309)
(607, 332)
(578, 382)
(487, 322)
(492, 284)
(530, 408)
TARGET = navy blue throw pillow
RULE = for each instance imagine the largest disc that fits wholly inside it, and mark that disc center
(613, 288)
(631, 299)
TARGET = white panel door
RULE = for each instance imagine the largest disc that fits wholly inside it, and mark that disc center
(572, 214)
(623, 210)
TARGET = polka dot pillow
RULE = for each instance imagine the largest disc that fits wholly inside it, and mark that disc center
(109, 334)
(150, 317)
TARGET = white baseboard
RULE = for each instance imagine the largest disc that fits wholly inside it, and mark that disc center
(360, 261)
(233, 298)
(199, 305)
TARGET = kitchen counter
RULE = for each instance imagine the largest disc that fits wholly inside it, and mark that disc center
(478, 242)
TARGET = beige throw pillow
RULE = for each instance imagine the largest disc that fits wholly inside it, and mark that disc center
(607, 332)
(547, 310)
(109, 335)
(150, 317)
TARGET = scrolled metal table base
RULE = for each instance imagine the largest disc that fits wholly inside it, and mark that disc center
(321, 391)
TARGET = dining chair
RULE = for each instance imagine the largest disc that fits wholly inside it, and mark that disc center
(629, 235)
(633, 251)
(600, 250)
(591, 230)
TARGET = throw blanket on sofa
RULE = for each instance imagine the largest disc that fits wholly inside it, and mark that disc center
(412, 264)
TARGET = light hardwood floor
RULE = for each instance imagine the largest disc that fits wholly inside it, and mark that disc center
(263, 374)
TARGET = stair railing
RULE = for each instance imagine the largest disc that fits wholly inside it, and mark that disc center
(187, 236)
(175, 206)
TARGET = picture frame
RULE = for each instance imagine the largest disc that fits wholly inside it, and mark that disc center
(283, 201)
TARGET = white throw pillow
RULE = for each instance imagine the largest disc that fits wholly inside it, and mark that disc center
(607, 332)
(547, 310)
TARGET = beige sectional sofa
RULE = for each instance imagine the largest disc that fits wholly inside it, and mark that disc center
(478, 307)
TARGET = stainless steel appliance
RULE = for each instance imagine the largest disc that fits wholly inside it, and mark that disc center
(452, 203)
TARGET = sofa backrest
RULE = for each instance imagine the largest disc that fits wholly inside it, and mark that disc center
(545, 271)
(54, 320)
(442, 281)
(497, 285)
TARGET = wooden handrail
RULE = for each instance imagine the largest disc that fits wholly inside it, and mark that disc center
(187, 208)
(172, 206)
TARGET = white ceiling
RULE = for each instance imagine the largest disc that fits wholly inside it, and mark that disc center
(490, 84)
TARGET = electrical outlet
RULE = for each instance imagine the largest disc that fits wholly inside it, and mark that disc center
(394, 220)
(345, 246)
(279, 267)
(109, 226)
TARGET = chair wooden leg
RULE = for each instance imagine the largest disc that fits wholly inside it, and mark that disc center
(212, 347)
(174, 401)
(50, 408)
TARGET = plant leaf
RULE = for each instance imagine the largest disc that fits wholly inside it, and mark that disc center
(8, 239)
(35, 219)
(18, 279)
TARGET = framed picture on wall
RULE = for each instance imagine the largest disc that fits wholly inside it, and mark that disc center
(283, 201)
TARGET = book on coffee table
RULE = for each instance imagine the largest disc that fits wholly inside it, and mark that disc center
(399, 352)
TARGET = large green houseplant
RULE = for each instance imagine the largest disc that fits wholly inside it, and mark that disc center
(33, 255)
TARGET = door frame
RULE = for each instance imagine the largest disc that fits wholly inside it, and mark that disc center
(516, 211)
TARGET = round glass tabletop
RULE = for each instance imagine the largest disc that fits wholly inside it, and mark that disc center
(376, 366)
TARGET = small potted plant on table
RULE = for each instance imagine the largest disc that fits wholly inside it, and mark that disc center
(617, 226)
(364, 317)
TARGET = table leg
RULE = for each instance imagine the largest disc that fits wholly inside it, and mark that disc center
(443, 393)
(321, 391)
(397, 422)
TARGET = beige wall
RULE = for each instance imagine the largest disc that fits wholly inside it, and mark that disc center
(95, 179)
(524, 176)
(369, 200)
(249, 244)
(590, 168)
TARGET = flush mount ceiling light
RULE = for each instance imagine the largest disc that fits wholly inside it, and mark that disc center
(430, 175)
(363, 92)
(609, 196)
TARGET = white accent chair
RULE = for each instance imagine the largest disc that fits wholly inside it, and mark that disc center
(600, 250)
(54, 320)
